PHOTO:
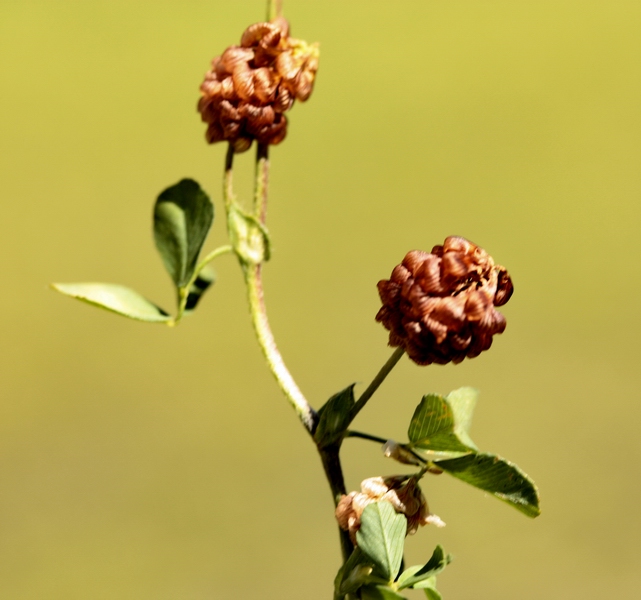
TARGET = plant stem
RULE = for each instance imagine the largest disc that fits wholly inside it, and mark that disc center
(254, 282)
(376, 382)
(334, 473)
(365, 436)
(253, 279)
(329, 456)
(228, 179)
(262, 183)
(274, 9)
(184, 291)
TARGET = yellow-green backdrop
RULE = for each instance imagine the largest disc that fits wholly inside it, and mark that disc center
(147, 463)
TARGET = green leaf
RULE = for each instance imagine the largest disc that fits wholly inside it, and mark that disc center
(354, 573)
(183, 215)
(497, 476)
(115, 298)
(204, 279)
(429, 586)
(412, 576)
(380, 592)
(334, 418)
(348, 578)
(442, 424)
(381, 537)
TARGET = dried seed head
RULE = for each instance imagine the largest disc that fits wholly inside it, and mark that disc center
(284, 100)
(402, 491)
(231, 59)
(265, 85)
(266, 35)
(304, 85)
(286, 66)
(243, 79)
(440, 306)
(260, 79)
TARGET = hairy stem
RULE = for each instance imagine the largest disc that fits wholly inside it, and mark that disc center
(376, 382)
(253, 279)
(254, 282)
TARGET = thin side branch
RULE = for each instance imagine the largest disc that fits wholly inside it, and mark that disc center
(376, 382)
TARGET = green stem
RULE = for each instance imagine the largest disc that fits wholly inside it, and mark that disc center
(254, 282)
(274, 9)
(376, 382)
(262, 183)
(253, 279)
(184, 291)
(365, 436)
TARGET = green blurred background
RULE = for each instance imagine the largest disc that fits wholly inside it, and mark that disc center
(147, 463)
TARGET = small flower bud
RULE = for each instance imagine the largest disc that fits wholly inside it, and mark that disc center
(440, 306)
(394, 450)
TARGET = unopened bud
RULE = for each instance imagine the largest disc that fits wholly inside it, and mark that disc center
(394, 450)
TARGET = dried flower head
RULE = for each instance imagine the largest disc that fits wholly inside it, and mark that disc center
(439, 306)
(249, 87)
(401, 491)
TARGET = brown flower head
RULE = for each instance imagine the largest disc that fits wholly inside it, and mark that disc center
(439, 306)
(401, 491)
(249, 87)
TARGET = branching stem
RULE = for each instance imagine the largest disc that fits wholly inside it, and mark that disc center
(254, 282)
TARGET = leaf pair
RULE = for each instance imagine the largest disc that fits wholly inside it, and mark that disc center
(440, 427)
(375, 563)
(183, 215)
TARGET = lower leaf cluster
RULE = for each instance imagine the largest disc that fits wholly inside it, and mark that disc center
(374, 568)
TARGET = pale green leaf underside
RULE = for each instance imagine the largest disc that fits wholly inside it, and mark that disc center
(497, 476)
(115, 298)
(381, 537)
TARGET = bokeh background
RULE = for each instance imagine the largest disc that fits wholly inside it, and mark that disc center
(147, 463)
